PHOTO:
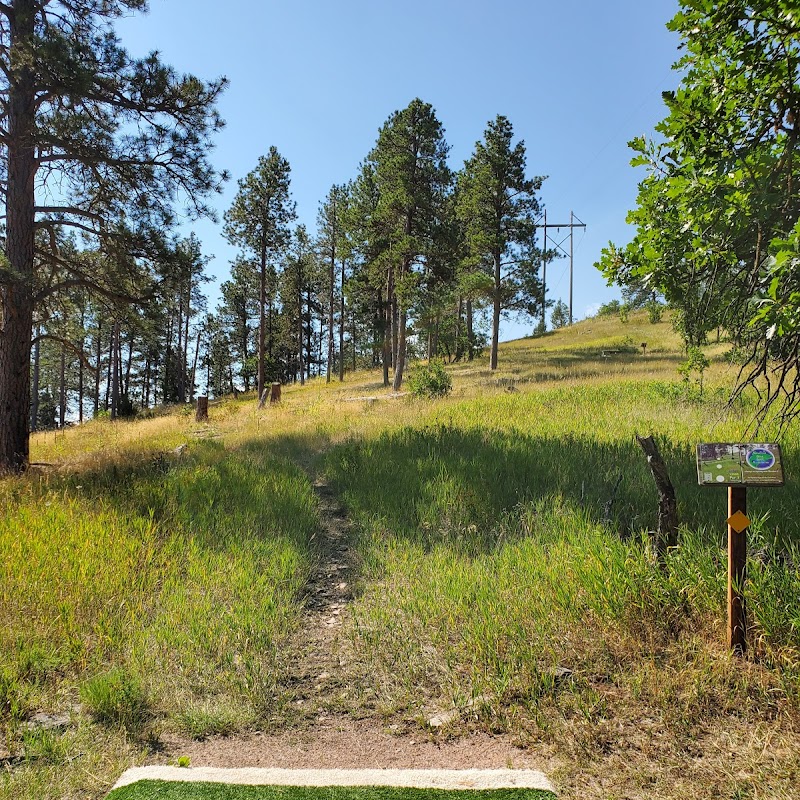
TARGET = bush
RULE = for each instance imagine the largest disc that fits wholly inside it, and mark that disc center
(430, 381)
(654, 312)
(609, 309)
(115, 697)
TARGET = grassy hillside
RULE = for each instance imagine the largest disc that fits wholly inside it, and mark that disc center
(149, 587)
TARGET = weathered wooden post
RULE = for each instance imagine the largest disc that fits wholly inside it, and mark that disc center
(738, 466)
(275, 393)
(201, 415)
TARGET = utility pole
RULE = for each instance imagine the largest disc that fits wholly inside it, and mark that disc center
(571, 220)
(544, 273)
(571, 226)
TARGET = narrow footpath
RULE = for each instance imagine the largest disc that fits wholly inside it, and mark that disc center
(323, 725)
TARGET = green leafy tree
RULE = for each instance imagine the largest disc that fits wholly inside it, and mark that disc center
(115, 139)
(717, 213)
(258, 221)
(498, 205)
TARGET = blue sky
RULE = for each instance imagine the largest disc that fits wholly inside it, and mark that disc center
(317, 78)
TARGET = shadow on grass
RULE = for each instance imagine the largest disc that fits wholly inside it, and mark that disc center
(427, 483)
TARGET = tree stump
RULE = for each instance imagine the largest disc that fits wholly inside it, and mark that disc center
(667, 534)
(275, 394)
(201, 415)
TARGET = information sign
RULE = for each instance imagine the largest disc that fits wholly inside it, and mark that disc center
(742, 464)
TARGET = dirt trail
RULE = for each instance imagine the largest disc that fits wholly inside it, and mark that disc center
(315, 670)
(317, 732)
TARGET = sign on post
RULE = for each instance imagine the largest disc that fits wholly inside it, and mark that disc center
(748, 464)
(738, 466)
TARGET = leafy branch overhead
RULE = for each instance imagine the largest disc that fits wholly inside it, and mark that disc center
(718, 213)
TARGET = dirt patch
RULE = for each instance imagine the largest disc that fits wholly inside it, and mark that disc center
(340, 742)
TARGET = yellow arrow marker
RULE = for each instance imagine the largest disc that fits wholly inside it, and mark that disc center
(738, 521)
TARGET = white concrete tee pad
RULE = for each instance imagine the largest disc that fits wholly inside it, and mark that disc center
(414, 778)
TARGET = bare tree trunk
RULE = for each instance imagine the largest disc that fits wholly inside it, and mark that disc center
(35, 393)
(185, 360)
(400, 356)
(387, 355)
(109, 378)
(114, 368)
(180, 382)
(194, 367)
(495, 313)
(459, 347)
(16, 294)
(62, 389)
(97, 366)
(300, 320)
(146, 384)
(128, 364)
(331, 279)
(341, 329)
(80, 381)
(309, 334)
(262, 319)
(353, 336)
(470, 334)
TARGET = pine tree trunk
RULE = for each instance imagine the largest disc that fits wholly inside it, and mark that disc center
(459, 346)
(80, 376)
(99, 357)
(180, 379)
(262, 321)
(187, 390)
(35, 392)
(309, 334)
(300, 320)
(114, 369)
(331, 279)
(62, 390)
(400, 355)
(109, 378)
(470, 335)
(353, 337)
(341, 330)
(387, 354)
(495, 313)
(128, 365)
(16, 289)
(146, 384)
(194, 368)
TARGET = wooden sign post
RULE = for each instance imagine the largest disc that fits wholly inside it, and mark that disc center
(738, 466)
(737, 567)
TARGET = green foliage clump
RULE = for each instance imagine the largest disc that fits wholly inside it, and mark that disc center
(609, 309)
(116, 697)
(560, 316)
(655, 312)
(693, 369)
(430, 381)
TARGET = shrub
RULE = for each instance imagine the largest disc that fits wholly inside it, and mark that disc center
(609, 309)
(115, 697)
(430, 381)
(654, 312)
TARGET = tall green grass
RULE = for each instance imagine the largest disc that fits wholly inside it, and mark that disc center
(157, 590)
